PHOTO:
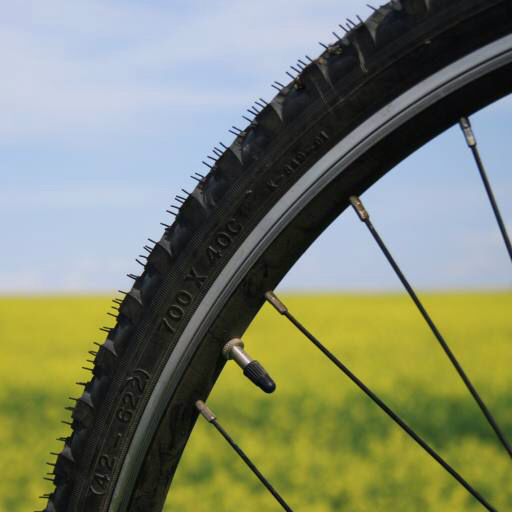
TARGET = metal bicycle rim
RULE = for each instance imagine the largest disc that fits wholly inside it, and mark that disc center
(447, 81)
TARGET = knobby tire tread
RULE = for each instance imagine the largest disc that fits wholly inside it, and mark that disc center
(291, 133)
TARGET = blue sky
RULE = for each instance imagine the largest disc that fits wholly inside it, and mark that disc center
(106, 108)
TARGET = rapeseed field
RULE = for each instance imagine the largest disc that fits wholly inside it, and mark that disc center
(320, 441)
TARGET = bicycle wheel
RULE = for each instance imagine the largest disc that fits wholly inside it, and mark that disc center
(391, 84)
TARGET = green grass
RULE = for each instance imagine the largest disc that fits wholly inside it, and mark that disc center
(322, 444)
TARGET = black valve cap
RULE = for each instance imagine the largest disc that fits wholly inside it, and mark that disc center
(258, 375)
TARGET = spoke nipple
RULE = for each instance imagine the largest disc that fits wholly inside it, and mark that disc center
(465, 125)
(205, 411)
(253, 370)
(359, 208)
(274, 300)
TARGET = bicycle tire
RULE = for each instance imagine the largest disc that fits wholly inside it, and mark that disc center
(241, 229)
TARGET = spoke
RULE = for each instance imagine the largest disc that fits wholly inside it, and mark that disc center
(211, 418)
(365, 218)
(471, 141)
(283, 310)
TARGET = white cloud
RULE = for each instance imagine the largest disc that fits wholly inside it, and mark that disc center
(84, 274)
(79, 195)
(84, 65)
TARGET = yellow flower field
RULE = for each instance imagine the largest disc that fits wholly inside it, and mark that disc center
(320, 441)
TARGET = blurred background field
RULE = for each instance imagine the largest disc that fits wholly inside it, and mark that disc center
(322, 444)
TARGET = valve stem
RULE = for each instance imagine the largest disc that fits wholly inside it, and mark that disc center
(253, 370)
